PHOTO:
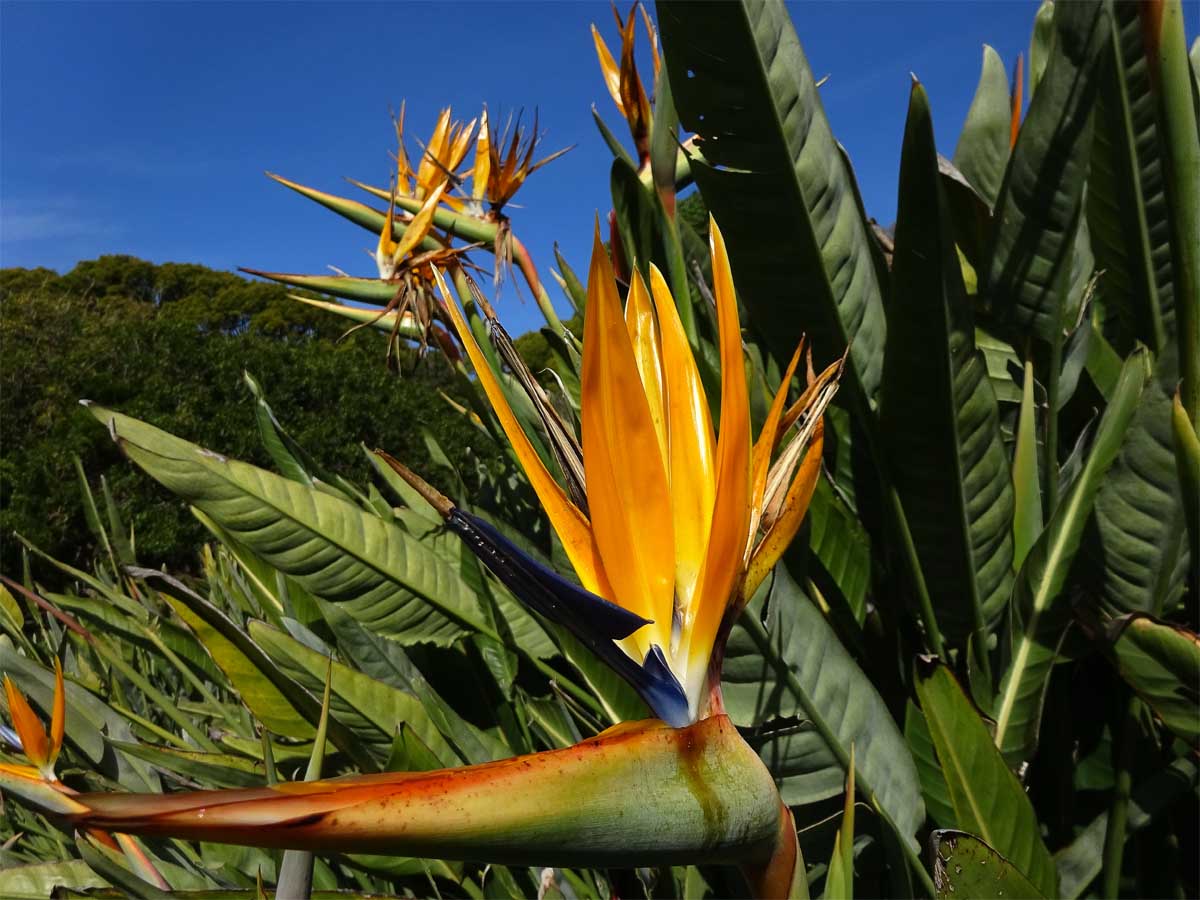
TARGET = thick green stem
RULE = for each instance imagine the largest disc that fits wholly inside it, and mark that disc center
(1118, 811)
(525, 263)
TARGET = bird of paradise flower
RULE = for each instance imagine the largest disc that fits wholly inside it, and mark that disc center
(670, 530)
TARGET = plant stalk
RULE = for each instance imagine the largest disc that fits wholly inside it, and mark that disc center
(1118, 811)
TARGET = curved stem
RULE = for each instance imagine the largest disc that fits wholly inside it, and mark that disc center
(524, 261)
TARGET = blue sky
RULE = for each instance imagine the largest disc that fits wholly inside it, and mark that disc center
(144, 128)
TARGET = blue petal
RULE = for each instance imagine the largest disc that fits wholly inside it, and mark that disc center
(592, 619)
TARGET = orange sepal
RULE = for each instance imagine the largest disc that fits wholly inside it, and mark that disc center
(568, 521)
(627, 492)
(28, 726)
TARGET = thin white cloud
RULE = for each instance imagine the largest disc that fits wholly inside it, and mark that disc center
(57, 220)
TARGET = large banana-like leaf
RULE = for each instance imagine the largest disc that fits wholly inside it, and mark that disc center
(965, 866)
(261, 697)
(386, 660)
(385, 578)
(938, 412)
(371, 709)
(774, 179)
(795, 668)
(1038, 598)
(1126, 200)
(1029, 279)
(988, 800)
(985, 142)
(933, 779)
(1162, 663)
(1137, 549)
(842, 546)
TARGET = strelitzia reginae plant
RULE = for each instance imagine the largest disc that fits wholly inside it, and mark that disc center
(981, 639)
(674, 531)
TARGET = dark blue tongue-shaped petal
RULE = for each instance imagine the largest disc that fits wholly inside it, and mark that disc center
(594, 620)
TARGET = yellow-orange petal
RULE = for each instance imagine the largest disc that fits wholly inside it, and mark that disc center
(429, 173)
(483, 160)
(458, 146)
(58, 714)
(569, 523)
(652, 35)
(691, 466)
(724, 558)
(387, 246)
(416, 230)
(627, 492)
(765, 445)
(634, 102)
(27, 725)
(795, 505)
(404, 171)
(643, 334)
(608, 67)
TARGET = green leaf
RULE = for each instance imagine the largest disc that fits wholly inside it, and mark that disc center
(370, 709)
(794, 667)
(1080, 862)
(41, 879)
(1040, 43)
(274, 438)
(1137, 555)
(839, 879)
(983, 145)
(1000, 356)
(1027, 486)
(386, 660)
(611, 141)
(571, 285)
(965, 866)
(933, 781)
(265, 701)
(1177, 90)
(841, 545)
(215, 769)
(1038, 598)
(775, 181)
(1187, 462)
(333, 549)
(1029, 280)
(987, 798)
(938, 412)
(1128, 211)
(1161, 662)
(637, 219)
